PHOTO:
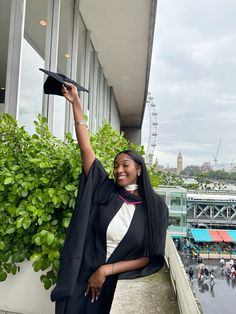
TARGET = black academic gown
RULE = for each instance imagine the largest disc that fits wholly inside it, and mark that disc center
(85, 246)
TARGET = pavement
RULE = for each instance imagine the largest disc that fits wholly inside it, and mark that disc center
(219, 298)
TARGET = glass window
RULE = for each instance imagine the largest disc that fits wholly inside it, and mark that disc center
(33, 55)
(174, 221)
(5, 14)
(91, 88)
(81, 53)
(63, 64)
(176, 199)
(80, 75)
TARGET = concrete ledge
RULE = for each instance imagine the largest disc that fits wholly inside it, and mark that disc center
(153, 295)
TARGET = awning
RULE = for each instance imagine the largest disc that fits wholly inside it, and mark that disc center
(201, 235)
(225, 235)
(216, 236)
(213, 235)
(232, 233)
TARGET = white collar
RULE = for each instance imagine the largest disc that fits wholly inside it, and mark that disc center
(131, 187)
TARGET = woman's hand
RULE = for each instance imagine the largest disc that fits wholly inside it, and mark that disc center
(95, 283)
(70, 92)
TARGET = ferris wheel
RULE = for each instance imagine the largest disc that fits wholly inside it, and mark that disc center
(152, 139)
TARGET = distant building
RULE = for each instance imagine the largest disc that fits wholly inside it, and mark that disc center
(167, 169)
(179, 164)
(206, 166)
(228, 167)
(175, 198)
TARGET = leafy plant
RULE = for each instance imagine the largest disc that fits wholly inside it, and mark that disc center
(39, 176)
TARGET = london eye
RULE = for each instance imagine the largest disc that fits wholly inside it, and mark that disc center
(152, 138)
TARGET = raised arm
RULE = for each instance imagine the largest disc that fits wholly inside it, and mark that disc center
(87, 153)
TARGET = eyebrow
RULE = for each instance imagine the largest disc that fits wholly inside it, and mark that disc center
(125, 160)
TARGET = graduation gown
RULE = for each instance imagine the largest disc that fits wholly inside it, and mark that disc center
(85, 245)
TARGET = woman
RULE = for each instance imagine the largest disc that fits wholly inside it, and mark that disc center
(117, 229)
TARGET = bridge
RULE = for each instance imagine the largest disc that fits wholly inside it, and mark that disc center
(211, 209)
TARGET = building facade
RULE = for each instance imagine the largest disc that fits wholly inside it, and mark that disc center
(96, 43)
(175, 198)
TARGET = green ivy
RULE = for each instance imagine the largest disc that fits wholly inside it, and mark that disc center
(39, 176)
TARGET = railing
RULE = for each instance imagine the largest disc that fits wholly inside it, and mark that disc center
(188, 303)
(213, 192)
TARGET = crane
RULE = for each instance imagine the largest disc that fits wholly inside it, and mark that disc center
(217, 152)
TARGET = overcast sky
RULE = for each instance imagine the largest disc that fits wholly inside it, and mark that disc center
(193, 80)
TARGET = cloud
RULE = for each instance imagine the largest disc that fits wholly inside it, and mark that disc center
(193, 78)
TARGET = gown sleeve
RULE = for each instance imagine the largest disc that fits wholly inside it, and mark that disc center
(72, 252)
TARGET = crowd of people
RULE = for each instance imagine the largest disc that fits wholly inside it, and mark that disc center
(227, 267)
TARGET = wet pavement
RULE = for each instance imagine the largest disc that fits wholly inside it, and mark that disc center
(217, 298)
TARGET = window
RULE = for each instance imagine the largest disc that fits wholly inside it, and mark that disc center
(33, 55)
(5, 14)
(63, 64)
(174, 221)
(176, 199)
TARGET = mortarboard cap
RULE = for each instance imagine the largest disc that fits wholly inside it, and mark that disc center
(54, 81)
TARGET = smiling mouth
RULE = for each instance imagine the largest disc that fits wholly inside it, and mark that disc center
(121, 177)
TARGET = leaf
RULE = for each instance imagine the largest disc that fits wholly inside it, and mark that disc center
(56, 264)
(72, 203)
(19, 222)
(7, 267)
(45, 264)
(13, 269)
(8, 180)
(51, 192)
(2, 245)
(37, 240)
(37, 265)
(10, 230)
(47, 283)
(70, 187)
(65, 199)
(50, 238)
(55, 200)
(24, 193)
(44, 180)
(35, 257)
(6, 257)
(26, 223)
(3, 275)
(66, 222)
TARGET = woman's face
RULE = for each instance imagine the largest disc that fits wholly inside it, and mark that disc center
(126, 170)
